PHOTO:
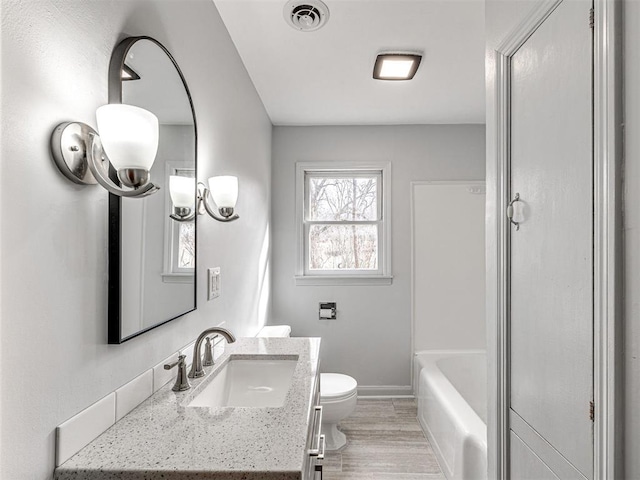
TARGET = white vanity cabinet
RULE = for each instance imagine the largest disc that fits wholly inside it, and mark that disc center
(315, 440)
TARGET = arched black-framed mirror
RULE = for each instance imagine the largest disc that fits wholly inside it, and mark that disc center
(152, 258)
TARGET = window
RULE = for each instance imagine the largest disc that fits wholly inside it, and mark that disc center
(180, 243)
(343, 224)
(184, 257)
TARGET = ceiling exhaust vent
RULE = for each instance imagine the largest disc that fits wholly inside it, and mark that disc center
(306, 15)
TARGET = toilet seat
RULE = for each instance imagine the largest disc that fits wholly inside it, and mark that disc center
(336, 386)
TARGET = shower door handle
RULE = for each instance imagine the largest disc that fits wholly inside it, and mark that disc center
(510, 211)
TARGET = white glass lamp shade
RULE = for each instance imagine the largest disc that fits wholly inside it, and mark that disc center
(129, 135)
(224, 190)
(182, 191)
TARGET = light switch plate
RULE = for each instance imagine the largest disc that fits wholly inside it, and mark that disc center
(214, 283)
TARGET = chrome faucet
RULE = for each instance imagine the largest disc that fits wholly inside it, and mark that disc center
(196, 365)
(208, 352)
(182, 383)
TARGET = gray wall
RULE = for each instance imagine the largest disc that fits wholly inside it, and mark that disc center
(632, 236)
(54, 356)
(371, 339)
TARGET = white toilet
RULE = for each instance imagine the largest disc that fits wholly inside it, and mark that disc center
(275, 331)
(338, 395)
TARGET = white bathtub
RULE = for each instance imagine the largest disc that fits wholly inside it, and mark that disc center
(451, 388)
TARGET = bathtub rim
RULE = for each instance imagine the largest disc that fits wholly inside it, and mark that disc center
(448, 351)
(444, 387)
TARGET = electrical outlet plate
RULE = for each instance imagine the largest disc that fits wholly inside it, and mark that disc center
(214, 283)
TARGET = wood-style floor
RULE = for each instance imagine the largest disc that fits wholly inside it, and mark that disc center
(384, 442)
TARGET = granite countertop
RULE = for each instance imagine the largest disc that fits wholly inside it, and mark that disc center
(162, 438)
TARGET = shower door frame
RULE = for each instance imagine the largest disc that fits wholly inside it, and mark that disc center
(607, 273)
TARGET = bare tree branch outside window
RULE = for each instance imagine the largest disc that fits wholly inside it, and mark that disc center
(186, 234)
(187, 245)
(353, 242)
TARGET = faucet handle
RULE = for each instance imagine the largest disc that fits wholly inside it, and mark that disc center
(182, 382)
(208, 352)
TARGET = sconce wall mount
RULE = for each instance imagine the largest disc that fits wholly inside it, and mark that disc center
(69, 147)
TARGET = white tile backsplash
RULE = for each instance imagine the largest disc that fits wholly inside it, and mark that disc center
(79, 430)
(188, 351)
(130, 395)
(162, 376)
(218, 347)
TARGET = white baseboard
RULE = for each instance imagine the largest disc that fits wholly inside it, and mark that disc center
(385, 391)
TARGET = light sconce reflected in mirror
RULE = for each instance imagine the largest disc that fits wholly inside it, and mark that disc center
(223, 190)
(182, 191)
(128, 142)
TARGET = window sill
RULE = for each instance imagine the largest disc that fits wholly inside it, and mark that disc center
(361, 280)
(178, 277)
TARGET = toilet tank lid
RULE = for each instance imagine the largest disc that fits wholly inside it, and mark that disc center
(334, 385)
(275, 331)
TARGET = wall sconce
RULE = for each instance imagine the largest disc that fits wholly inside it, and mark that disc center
(182, 191)
(222, 189)
(128, 142)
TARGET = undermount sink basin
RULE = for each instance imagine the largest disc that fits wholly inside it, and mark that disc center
(249, 382)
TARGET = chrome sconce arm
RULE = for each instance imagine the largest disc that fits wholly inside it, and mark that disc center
(225, 214)
(100, 174)
(183, 214)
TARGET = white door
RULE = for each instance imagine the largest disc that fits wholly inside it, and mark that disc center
(551, 288)
(448, 266)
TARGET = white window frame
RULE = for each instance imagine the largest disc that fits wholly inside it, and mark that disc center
(171, 272)
(382, 276)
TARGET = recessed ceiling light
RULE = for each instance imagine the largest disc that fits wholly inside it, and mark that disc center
(396, 66)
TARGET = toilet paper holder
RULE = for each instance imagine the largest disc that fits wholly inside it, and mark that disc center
(327, 311)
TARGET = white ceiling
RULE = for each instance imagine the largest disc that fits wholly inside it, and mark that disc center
(325, 77)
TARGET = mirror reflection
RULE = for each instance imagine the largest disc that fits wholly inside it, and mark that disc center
(157, 254)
